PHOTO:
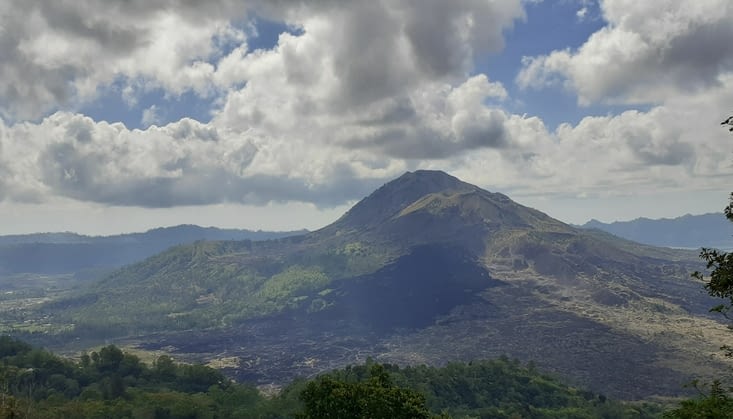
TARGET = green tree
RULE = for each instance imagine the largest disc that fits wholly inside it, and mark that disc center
(165, 368)
(375, 398)
(109, 359)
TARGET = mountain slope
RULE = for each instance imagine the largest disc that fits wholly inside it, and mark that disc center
(689, 231)
(426, 269)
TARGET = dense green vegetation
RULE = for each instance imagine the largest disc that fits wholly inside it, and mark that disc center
(110, 383)
(500, 388)
(373, 397)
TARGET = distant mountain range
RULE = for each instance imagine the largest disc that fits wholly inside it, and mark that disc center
(426, 269)
(689, 231)
(56, 253)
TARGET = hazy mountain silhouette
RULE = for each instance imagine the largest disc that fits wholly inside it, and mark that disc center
(689, 231)
(54, 253)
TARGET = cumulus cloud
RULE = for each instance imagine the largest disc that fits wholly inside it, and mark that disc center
(375, 75)
(648, 52)
(360, 93)
(57, 54)
(674, 55)
(362, 88)
(675, 147)
(183, 163)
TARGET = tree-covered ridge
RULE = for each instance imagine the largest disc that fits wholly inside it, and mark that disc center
(110, 383)
(500, 388)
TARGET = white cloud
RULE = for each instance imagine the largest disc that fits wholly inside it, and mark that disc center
(357, 95)
(674, 147)
(375, 76)
(677, 147)
(362, 93)
(648, 52)
(675, 55)
(57, 54)
(151, 116)
(582, 13)
(182, 163)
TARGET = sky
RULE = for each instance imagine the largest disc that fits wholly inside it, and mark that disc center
(119, 116)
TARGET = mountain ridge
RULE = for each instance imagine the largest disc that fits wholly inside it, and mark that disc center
(687, 231)
(62, 253)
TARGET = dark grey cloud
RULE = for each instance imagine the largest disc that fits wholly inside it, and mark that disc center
(484, 130)
(367, 57)
(696, 59)
(83, 177)
(445, 35)
(421, 142)
(26, 88)
(669, 154)
(434, 34)
(73, 19)
(397, 111)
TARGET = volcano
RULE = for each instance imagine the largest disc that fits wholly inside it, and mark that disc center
(426, 269)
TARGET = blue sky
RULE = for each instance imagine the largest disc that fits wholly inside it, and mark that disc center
(238, 113)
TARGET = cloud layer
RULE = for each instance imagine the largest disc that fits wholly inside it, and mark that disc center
(358, 93)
